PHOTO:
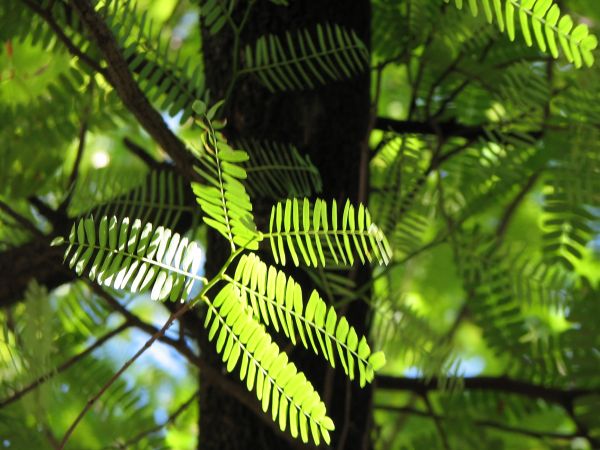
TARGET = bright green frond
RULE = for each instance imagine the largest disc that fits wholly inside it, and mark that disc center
(282, 389)
(303, 60)
(296, 226)
(547, 23)
(277, 299)
(135, 256)
(223, 197)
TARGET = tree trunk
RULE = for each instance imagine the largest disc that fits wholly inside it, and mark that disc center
(331, 124)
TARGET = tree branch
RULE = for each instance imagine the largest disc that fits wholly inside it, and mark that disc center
(483, 423)
(141, 154)
(46, 14)
(135, 321)
(561, 397)
(92, 401)
(64, 366)
(22, 221)
(121, 79)
(35, 259)
(449, 128)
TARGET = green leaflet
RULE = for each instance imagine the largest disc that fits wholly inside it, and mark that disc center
(216, 13)
(278, 384)
(279, 171)
(223, 198)
(547, 24)
(277, 299)
(304, 60)
(315, 236)
(138, 256)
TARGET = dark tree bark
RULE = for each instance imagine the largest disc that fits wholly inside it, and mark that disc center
(331, 124)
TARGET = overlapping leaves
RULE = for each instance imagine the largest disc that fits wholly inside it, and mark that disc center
(119, 254)
(279, 385)
(547, 23)
(277, 299)
(279, 171)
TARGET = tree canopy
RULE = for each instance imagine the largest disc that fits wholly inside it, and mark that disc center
(274, 223)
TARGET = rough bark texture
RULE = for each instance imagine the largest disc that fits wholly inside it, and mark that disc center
(331, 125)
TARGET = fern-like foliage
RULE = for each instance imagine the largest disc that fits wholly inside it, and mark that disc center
(160, 198)
(302, 61)
(223, 198)
(401, 331)
(398, 205)
(276, 298)
(571, 199)
(321, 237)
(498, 283)
(547, 23)
(279, 386)
(279, 170)
(216, 13)
(120, 253)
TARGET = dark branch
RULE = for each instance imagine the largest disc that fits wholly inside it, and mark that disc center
(449, 128)
(142, 154)
(35, 259)
(483, 423)
(121, 79)
(514, 204)
(561, 397)
(20, 220)
(135, 321)
(73, 49)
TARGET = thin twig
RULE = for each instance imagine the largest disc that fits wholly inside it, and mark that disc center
(171, 419)
(437, 420)
(64, 366)
(73, 49)
(83, 129)
(21, 220)
(92, 401)
(135, 321)
(514, 204)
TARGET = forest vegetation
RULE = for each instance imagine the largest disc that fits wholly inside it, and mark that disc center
(267, 224)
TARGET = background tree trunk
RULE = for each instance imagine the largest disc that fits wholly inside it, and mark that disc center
(330, 124)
